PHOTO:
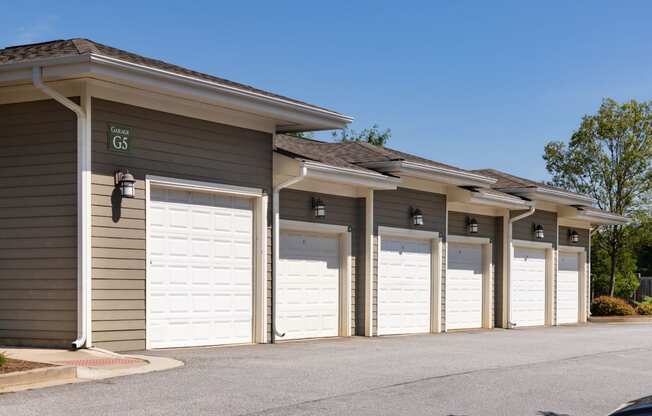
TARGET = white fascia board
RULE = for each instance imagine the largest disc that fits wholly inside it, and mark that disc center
(230, 96)
(372, 180)
(551, 195)
(498, 201)
(597, 217)
(290, 114)
(432, 173)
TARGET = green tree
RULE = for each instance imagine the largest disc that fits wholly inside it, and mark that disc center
(371, 135)
(608, 157)
(303, 134)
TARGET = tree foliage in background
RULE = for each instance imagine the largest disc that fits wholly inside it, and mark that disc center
(608, 158)
(371, 135)
(303, 134)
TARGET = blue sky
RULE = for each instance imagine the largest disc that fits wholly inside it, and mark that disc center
(474, 84)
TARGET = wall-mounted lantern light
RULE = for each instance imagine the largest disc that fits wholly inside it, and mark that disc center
(126, 182)
(538, 232)
(472, 225)
(417, 216)
(318, 208)
(574, 236)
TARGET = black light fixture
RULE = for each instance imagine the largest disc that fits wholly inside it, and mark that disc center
(538, 232)
(126, 182)
(472, 225)
(318, 208)
(417, 216)
(574, 236)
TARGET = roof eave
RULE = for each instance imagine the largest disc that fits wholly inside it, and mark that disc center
(433, 173)
(498, 201)
(550, 195)
(599, 217)
(325, 172)
(297, 116)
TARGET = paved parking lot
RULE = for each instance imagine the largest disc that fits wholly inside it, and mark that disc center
(586, 370)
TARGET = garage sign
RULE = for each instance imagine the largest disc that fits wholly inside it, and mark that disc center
(119, 138)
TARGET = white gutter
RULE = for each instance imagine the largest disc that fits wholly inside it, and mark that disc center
(551, 195)
(434, 173)
(83, 207)
(599, 217)
(276, 221)
(102, 59)
(355, 177)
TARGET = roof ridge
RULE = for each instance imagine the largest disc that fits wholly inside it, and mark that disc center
(84, 45)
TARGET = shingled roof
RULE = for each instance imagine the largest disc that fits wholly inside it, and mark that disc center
(78, 46)
(350, 154)
(508, 181)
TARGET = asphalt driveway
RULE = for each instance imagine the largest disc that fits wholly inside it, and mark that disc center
(586, 370)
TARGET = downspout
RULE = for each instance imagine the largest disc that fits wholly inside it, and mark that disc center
(508, 267)
(82, 220)
(276, 220)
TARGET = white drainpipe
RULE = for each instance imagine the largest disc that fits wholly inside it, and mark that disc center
(276, 220)
(83, 158)
(508, 267)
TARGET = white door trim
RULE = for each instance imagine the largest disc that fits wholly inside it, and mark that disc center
(572, 249)
(532, 244)
(467, 240)
(487, 274)
(344, 234)
(583, 279)
(407, 233)
(259, 236)
(435, 266)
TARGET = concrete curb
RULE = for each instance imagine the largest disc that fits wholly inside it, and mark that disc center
(37, 375)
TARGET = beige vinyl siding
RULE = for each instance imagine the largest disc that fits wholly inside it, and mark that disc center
(38, 224)
(297, 205)
(165, 145)
(488, 227)
(392, 209)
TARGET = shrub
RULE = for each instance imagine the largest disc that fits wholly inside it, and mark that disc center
(647, 300)
(3, 359)
(610, 306)
(644, 309)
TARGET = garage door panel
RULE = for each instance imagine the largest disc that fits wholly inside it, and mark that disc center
(464, 286)
(308, 285)
(201, 271)
(568, 288)
(404, 286)
(528, 287)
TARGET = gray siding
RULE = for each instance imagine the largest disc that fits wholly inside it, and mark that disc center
(584, 237)
(524, 229)
(297, 205)
(488, 227)
(392, 209)
(38, 224)
(166, 145)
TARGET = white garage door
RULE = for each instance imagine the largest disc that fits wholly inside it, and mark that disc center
(528, 287)
(201, 269)
(464, 286)
(568, 290)
(403, 286)
(308, 285)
